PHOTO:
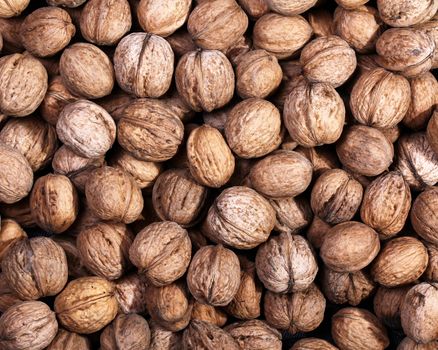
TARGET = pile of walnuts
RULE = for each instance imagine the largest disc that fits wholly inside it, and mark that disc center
(218, 174)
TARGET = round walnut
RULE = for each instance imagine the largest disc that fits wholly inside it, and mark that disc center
(409, 344)
(293, 214)
(54, 203)
(86, 305)
(113, 195)
(126, 332)
(27, 325)
(66, 340)
(281, 174)
(314, 114)
(162, 339)
(387, 303)
(203, 335)
(424, 217)
(296, 312)
(288, 8)
(328, 60)
(23, 84)
(105, 22)
(253, 128)
(240, 218)
(208, 313)
(86, 71)
(419, 313)
(405, 13)
(349, 247)
(205, 79)
(380, 98)
(255, 335)
(214, 275)
(286, 263)
(365, 150)
(144, 64)
(313, 344)
(35, 268)
(281, 36)
(46, 31)
(130, 292)
(10, 231)
(358, 329)
(336, 196)
(12, 8)
(66, 3)
(177, 197)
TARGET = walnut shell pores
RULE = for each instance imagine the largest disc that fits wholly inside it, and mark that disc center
(405, 13)
(240, 218)
(214, 275)
(424, 217)
(203, 335)
(205, 79)
(86, 305)
(27, 325)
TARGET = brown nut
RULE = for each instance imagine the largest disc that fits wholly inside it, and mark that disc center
(181, 42)
(208, 313)
(313, 344)
(321, 20)
(254, 8)
(115, 103)
(293, 214)
(430, 28)
(351, 4)
(387, 303)
(130, 292)
(317, 232)
(404, 13)
(66, 3)
(12, 8)
(162, 339)
(287, 8)
(66, 340)
(75, 266)
(35, 268)
(431, 273)
(409, 344)
(322, 158)
(255, 335)
(432, 132)
(424, 217)
(7, 296)
(203, 335)
(18, 211)
(10, 231)
(86, 305)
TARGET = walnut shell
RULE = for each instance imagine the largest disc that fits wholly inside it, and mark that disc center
(254, 8)
(387, 303)
(404, 13)
(349, 247)
(432, 132)
(293, 214)
(86, 305)
(23, 84)
(162, 339)
(409, 344)
(431, 273)
(255, 335)
(287, 8)
(12, 8)
(28, 325)
(317, 232)
(116, 103)
(202, 335)
(430, 28)
(130, 292)
(313, 344)
(423, 215)
(351, 4)
(75, 266)
(321, 20)
(181, 42)
(19, 211)
(7, 295)
(208, 313)
(296, 312)
(66, 3)
(66, 340)
(214, 275)
(144, 64)
(322, 158)
(10, 231)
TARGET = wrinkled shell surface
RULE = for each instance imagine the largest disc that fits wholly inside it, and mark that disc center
(10, 231)
(313, 344)
(405, 13)
(130, 292)
(12, 8)
(293, 214)
(288, 8)
(255, 335)
(387, 303)
(203, 335)
(424, 217)
(432, 132)
(66, 340)
(208, 313)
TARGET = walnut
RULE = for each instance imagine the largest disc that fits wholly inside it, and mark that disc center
(86, 305)
(7, 295)
(105, 22)
(144, 64)
(321, 20)
(387, 303)
(349, 247)
(162, 339)
(357, 329)
(404, 13)
(431, 273)
(112, 194)
(23, 84)
(75, 266)
(66, 340)
(430, 28)
(10, 231)
(313, 344)
(214, 275)
(255, 335)
(254, 8)
(126, 332)
(86, 71)
(287, 8)
(27, 325)
(181, 42)
(317, 231)
(10, 28)
(365, 150)
(386, 204)
(18, 211)
(130, 292)
(240, 218)
(432, 132)
(296, 312)
(66, 3)
(208, 313)
(336, 196)
(116, 103)
(322, 158)
(293, 214)
(392, 134)
(409, 344)
(213, 87)
(217, 118)
(351, 4)
(203, 335)
(12, 8)
(423, 99)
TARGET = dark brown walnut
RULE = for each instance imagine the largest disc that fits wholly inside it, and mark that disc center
(211, 161)
(336, 196)
(254, 8)
(380, 98)
(54, 203)
(240, 218)
(286, 263)
(358, 329)
(395, 48)
(86, 71)
(161, 252)
(253, 128)
(431, 273)
(205, 79)
(116, 103)
(349, 247)
(162, 339)
(105, 22)
(86, 305)
(296, 312)
(328, 60)
(321, 20)
(208, 313)
(130, 292)
(281, 174)
(46, 31)
(386, 204)
(281, 36)
(419, 313)
(12, 8)
(424, 218)
(75, 266)
(217, 25)
(23, 84)
(317, 232)
(10, 231)
(202, 335)
(313, 344)
(104, 249)
(409, 344)
(66, 3)
(144, 64)
(126, 332)
(401, 261)
(35, 268)
(27, 325)
(7, 296)
(417, 161)
(346, 287)
(322, 158)
(66, 340)
(177, 197)
(405, 13)
(431, 133)
(293, 214)
(114, 195)
(214, 275)
(365, 150)
(387, 303)
(18, 211)
(287, 8)
(255, 335)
